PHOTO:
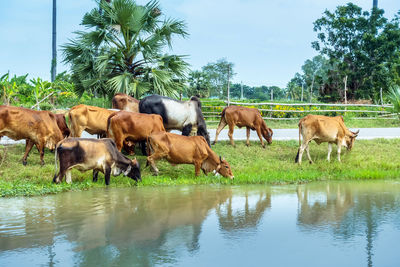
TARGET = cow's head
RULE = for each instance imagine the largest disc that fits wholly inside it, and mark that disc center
(267, 133)
(350, 138)
(133, 171)
(224, 168)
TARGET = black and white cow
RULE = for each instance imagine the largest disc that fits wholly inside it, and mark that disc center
(185, 116)
(93, 154)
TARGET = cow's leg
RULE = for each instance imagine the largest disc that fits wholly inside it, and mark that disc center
(187, 129)
(339, 149)
(258, 130)
(301, 151)
(308, 153)
(230, 134)
(221, 126)
(329, 152)
(197, 166)
(28, 147)
(107, 175)
(40, 148)
(248, 136)
(151, 160)
(68, 176)
(143, 147)
(95, 175)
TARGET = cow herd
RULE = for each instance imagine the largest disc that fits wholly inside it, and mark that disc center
(148, 123)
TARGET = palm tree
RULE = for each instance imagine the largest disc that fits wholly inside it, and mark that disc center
(54, 45)
(375, 4)
(123, 51)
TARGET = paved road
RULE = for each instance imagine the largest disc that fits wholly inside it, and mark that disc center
(279, 134)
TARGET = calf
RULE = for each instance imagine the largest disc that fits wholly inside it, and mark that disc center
(125, 102)
(132, 127)
(324, 129)
(244, 117)
(178, 149)
(36, 127)
(93, 154)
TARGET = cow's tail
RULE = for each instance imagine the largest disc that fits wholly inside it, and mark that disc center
(298, 150)
(109, 131)
(55, 162)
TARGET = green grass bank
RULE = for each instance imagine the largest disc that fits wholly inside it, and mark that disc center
(369, 159)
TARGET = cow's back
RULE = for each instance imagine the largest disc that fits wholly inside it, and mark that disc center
(180, 149)
(125, 102)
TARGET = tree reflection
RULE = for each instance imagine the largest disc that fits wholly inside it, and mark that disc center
(348, 212)
(244, 216)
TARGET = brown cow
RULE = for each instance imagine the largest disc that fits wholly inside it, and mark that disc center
(132, 127)
(62, 124)
(244, 117)
(324, 129)
(88, 118)
(179, 149)
(125, 102)
(37, 127)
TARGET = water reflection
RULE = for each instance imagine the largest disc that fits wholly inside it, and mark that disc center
(174, 225)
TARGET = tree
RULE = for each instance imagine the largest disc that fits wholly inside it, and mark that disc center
(217, 76)
(198, 84)
(123, 51)
(361, 45)
(54, 43)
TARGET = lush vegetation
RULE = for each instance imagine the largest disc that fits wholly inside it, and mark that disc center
(123, 50)
(369, 159)
(357, 47)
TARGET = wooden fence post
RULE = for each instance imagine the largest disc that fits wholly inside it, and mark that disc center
(228, 85)
(345, 92)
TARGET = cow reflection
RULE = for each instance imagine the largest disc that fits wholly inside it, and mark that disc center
(246, 215)
(331, 204)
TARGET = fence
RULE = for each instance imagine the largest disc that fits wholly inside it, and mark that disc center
(293, 111)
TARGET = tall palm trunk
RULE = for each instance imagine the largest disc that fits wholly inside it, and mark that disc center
(375, 4)
(54, 46)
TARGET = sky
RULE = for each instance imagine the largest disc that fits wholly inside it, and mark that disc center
(267, 40)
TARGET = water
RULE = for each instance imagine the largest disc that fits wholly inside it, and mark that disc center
(318, 224)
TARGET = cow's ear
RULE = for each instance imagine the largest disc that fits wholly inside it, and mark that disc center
(218, 167)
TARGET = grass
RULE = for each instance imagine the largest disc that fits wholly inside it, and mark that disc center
(369, 159)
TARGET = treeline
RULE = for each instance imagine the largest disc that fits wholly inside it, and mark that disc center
(358, 49)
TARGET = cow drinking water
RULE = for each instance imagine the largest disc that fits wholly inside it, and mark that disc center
(93, 154)
(185, 116)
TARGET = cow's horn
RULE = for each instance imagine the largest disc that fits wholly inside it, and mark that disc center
(356, 133)
(220, 159)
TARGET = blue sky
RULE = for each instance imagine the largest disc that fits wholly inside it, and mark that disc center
(267, 40)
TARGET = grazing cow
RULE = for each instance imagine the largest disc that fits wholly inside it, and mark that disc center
(93, 154)
(133, 127)
(178, 149)
(37, 127)
(324, 129)
(125, 102)
(244, 117)
(62, 124)
(88, 118)
(177, 115)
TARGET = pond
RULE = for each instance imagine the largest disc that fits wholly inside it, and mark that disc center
(317, 224)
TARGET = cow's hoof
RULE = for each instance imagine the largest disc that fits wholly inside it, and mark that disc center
(263, 146)
(247, 144)
(41, 163)
(311, 162)
(24, 162)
